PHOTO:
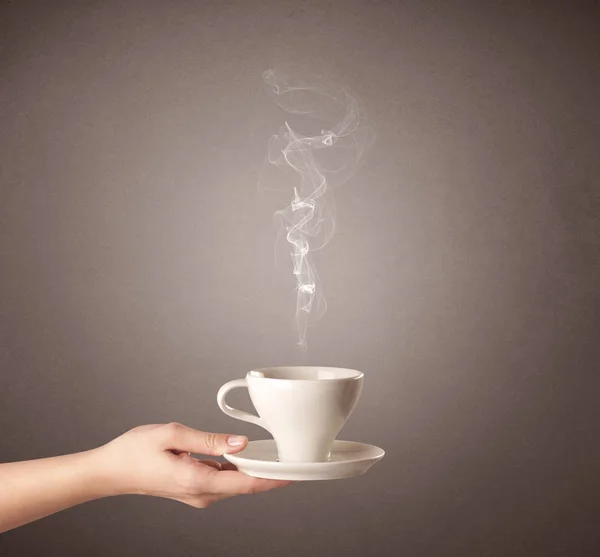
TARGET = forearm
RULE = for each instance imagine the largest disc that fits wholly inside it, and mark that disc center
(38, 488)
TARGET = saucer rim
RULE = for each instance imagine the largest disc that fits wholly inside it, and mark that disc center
(308, 465)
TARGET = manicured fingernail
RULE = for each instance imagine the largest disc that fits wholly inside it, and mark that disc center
(235, 440)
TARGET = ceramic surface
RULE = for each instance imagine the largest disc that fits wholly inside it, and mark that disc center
(348, 459)
(303, 407)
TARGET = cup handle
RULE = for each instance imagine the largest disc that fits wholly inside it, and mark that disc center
(233, 412)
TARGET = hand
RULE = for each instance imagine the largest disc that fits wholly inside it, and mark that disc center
(156, 460)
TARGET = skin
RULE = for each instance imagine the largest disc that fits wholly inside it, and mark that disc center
(150, 460)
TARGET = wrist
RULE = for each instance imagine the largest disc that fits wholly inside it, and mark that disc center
(104, 476)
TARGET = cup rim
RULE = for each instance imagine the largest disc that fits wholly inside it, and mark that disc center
(356, 374)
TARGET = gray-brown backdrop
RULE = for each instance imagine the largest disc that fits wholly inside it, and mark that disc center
(137, 269)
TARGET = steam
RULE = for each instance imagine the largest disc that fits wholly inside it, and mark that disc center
(322, 161)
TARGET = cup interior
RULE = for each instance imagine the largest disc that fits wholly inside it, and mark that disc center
(306, 373)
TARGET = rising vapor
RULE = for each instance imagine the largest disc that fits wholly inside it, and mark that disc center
(322, 161)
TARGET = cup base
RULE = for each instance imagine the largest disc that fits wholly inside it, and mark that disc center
(302, 461)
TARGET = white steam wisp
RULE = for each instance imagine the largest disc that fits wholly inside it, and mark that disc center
(322, 161)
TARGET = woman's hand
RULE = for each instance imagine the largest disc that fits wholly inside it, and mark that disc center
(155, 460)
(147, 460)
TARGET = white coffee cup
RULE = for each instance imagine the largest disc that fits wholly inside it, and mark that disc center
(302, 407)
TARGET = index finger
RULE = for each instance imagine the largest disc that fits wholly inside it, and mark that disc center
(229, 482)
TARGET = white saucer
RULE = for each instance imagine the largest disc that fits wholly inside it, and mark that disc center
(348, 459)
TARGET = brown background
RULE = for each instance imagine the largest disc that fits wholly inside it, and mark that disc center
(137, 272)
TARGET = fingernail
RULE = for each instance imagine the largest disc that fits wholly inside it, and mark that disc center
(235, 440)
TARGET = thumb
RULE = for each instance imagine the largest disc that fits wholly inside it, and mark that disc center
(182, 438)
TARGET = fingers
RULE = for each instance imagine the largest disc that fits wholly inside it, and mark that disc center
(230, 482)
(178, 437)
(229, 466)
(182, 455)
(179, 453)
(212, 463)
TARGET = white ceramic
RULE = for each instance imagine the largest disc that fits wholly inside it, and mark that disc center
(348, 459)
(302, 407)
